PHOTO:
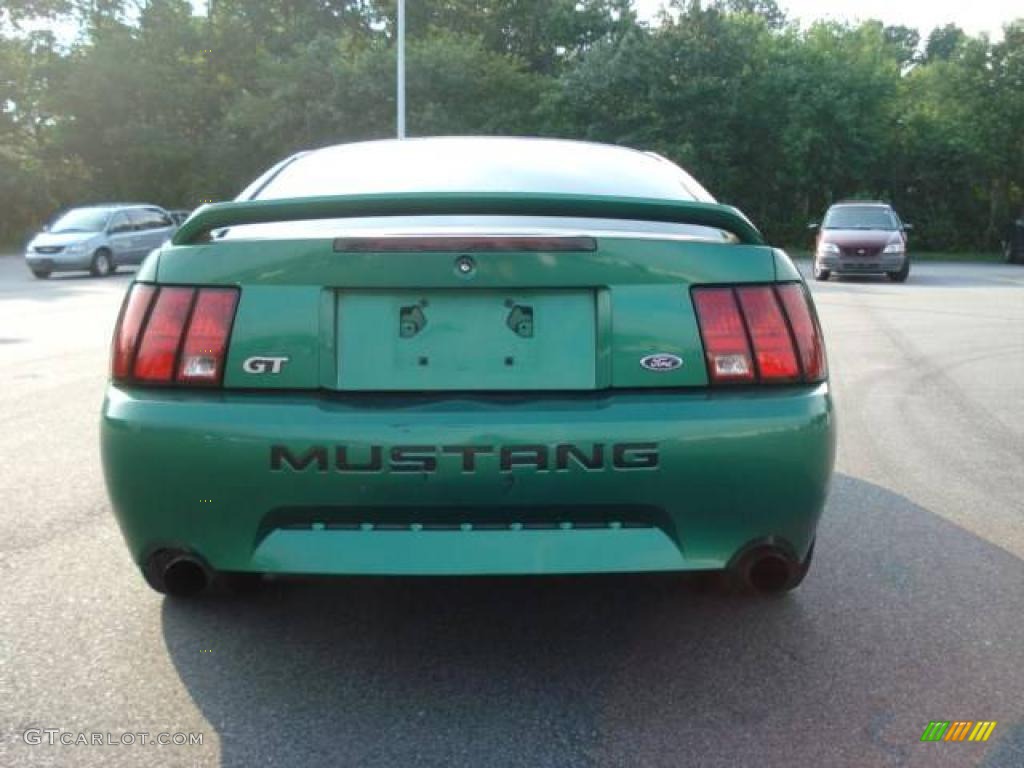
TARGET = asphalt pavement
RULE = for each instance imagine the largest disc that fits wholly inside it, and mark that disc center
(913, 611)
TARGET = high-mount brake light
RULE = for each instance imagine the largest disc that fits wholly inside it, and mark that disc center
(464, 244)
(759, 334)
(173, 335)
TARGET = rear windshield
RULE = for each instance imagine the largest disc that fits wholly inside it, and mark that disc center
(860, 217)
(480, 165)
(475, 225)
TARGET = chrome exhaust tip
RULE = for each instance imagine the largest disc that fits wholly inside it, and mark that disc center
(768, 569)
(177, 573)
(769, 572)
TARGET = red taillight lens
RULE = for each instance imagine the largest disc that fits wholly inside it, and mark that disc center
(772, 318)
(173, 335)
(126, 337)
(725, 340)
(160, 340)
(202, 357)
(773, 347)
(805, 331)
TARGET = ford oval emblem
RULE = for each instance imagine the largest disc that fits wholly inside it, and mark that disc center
(661, 362)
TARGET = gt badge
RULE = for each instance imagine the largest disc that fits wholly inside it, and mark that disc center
(264, 364)
(661, 362)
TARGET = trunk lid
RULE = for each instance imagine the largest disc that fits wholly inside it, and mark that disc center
(412, 322)
(514, 300)
(466, 339)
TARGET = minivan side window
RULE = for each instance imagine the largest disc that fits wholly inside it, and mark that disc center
(148, 218)
(120, 223)
(143, 219)
(155, 219)
(138, 219)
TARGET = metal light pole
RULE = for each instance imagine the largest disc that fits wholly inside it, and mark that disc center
(401, 69)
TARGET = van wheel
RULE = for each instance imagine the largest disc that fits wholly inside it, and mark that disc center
(1011, 256)
(902, 275)
(821, 274)
(102, 263)
(41, 274)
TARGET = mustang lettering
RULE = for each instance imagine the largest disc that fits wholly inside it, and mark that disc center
(506, 458)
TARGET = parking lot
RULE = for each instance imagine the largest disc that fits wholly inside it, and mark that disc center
(913, 611)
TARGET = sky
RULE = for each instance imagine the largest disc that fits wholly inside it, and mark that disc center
(974, 16)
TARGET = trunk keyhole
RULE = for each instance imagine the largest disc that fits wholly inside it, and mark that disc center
(520, 320)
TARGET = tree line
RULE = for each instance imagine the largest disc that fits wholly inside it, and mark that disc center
(167, 102)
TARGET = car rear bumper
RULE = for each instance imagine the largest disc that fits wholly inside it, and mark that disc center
(890, 262)
(57, 262)
(199, 472)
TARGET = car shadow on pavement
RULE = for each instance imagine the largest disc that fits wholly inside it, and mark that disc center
(904, 618)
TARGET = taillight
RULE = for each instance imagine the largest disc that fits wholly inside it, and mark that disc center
(173, 335)
(126, 336)
(773, 348)
(749, 334)
(805, 331)
(202, 357)
(725, 339)
(154, 362)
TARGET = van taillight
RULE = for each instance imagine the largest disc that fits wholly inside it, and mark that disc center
(173, 335)
(759, 333)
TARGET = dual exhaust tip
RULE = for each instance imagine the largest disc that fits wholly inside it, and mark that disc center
(762, 569)
(185, 577)
(177, 573)
(769, 569)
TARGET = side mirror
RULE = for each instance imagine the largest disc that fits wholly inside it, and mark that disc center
(814, 226)
(45, 228)
(907, 227)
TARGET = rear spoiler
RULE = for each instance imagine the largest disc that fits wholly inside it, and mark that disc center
(219, 215)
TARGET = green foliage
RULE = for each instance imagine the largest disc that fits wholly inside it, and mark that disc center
(152, 102)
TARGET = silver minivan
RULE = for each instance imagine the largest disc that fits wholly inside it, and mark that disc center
(99, 238)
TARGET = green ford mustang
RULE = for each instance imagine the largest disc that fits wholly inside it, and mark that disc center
(468, 356)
